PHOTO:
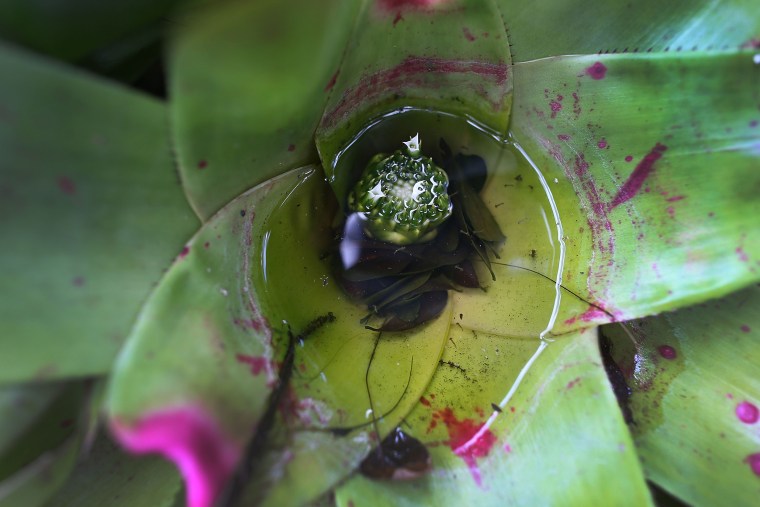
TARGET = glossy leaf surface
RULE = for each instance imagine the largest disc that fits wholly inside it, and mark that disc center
(553, 28)
(655, 165)
(105, 475)
(696, 397)
(73, 29)
(559, 439)
(36, 483)
(92, 213)
(36, 418)
(248, 82)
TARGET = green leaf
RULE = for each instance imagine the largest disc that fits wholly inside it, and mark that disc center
(35, 418)
(696, 396)
(71, 30)
(91, 211)
(108, 476)
(451, 57)
(562, 27)
(559, 439)
(195, 373)
(655, 170)
(248, 82)
(36, 483)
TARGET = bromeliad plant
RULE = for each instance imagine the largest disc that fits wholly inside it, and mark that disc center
(621, 146)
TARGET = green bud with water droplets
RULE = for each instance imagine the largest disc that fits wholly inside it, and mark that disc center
(403, 197)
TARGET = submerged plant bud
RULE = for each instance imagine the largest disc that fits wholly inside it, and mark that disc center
(402, 197)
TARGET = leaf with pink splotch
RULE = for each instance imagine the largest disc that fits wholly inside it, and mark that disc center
(196, 380)
(449, 56)
(655, 163)
(696, 395)
(559, 438)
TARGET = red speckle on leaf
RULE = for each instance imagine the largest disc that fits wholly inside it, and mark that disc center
(747, 412)
(573, 383)
(206, 244)
(628, 158)
(202, 164)
(602, 144)
(257, 363)
(667, 352)
(468, 34)
(563, 137)
(193, 440)
(332, 81)
(745, 328)
(597, 71)
(742, 254)
(640, 173)
(77, 281)
(398, 18)
(467, 440)
(753, 460)
(675, 198)
(67, 186)
(424, 401)
(753, 124)
(184, 252)
(66, 423)
(291, 147)
(556, 107)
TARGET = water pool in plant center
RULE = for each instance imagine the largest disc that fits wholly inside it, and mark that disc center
(341, 365)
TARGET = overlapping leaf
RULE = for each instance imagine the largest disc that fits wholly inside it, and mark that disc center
(552, 442)
(695, 397)
(92, 213)
(248, 82)
(661, 153)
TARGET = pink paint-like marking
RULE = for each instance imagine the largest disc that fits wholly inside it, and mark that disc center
(468, 34)
(676, 198)
(642, 171)
(193, 440)
(202, 164)
(563, 137)
(507, 448)
(753, 460)
(573, 383)
(747, 412)
(741, 254)
(67, 186)
(460, 436)
(392, 5)
(257, 363)
(628, 158)
(602, 144)
(745, 328)
(184, 252)
(667, 352)
(556, 107)
(332, 81)
(597, 71)
(417, 71)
